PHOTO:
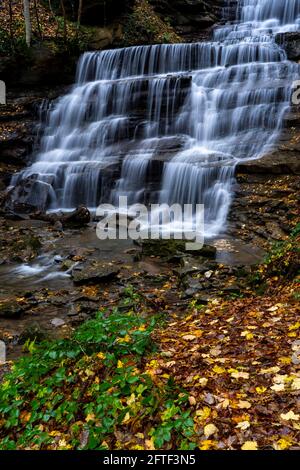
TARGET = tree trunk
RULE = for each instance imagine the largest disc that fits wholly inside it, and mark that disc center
(62, 4)
(36, 9)
(11, 33)
(79, 13)
(27, 21)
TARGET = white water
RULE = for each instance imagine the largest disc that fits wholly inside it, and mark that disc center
(200, 108)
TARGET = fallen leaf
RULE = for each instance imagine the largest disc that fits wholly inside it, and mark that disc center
(243, 425)
(244, 404)
(240, 375)
(296, 384)
(210, 430)
(278, 387)
(249, 445)
(192, 401)
(290, 416)
(189, 337)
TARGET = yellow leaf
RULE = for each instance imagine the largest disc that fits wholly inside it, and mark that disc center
(243, 404)
(203, 382)
(296, 384)
(204, 413)
(189, 337)
(225, 404)
(247, 335)
(63, 444)
(261, 390)
(120, 365)
(89, 373)
(219, 370)
(270, 370)
(249, 445)
(192, 400)
(240, 375)
(126, 339)
(210, 430)
(285, 360)
(273, 309)
(290, 416)
(278, 379)
(90, 417)
(278, 387)
(150, 444)
(243, 425)
(207, 444)
(165, 376)
(131, 399)
(101, 355)
(284, 443)
(54, 433)
(126, 418)
(296, 326)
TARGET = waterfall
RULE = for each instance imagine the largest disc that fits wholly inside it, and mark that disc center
(168, 123)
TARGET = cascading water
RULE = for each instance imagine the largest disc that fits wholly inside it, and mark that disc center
(190, 111)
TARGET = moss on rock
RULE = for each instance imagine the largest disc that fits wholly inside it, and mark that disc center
(144, 25)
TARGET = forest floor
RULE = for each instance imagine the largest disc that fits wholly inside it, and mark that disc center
(159, 368)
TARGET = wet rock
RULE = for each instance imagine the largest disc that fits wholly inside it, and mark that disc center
(88, 308)
(276, 163)
(204, 299)
(95, 274)
(2, 352)
(10, 309)
(58, 226)
(171, 248)
(32, 332)
(191, 292)
(30, 194)
(66, 264)
(57, 322)
(233, 289)
(291, 44)
(275, 231)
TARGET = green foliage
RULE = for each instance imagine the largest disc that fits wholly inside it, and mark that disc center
(282, 262)
(92, 385)
(16, 46)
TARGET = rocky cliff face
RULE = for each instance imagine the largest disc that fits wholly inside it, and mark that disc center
(291, 43)
(192, 19)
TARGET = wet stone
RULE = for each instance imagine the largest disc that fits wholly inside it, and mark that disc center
(173, 248)
(57, 322)
(10, 309)
(94, 274)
